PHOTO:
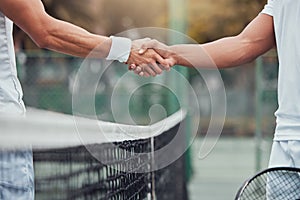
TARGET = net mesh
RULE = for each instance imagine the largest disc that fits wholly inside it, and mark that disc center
(73, 173)
(129, 169)
(272, 184)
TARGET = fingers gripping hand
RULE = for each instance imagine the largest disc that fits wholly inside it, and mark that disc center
(139, 70)
(151, 57)
(154, 44)
(137, 44)
(159, 47)
(163, 50)
(144, 70)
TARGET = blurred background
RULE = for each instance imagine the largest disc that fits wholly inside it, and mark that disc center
(243, 149)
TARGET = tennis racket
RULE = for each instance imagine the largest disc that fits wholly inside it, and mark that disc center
(281, 183)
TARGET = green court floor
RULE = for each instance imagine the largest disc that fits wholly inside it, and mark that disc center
(220, 174)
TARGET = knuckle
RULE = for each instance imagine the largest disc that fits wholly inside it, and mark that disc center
(149, 60)
(153, 42)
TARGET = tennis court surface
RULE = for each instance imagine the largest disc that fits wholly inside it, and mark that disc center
(224, 170)
(77, 158)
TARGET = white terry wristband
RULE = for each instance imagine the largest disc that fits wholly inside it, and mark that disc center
(120, 49)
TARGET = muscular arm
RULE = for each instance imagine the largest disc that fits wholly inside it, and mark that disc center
(48, 32)
(257, 38)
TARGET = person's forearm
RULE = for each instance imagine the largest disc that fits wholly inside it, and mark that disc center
(257, 38)
(235, 51)
(69, 39)
(226, 52)
(50, 33)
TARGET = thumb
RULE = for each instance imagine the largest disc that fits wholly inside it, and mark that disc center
(143, 49)
(147, 45)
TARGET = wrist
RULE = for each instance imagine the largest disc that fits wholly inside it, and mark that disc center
(120, 49)
(174, 54)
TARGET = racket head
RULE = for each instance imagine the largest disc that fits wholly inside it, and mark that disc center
(280, 183)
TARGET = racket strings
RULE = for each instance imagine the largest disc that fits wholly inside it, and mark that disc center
(273, 185)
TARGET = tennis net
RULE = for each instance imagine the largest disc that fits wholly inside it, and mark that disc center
(77, 158)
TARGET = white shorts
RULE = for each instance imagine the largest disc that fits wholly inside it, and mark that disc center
(285, 153)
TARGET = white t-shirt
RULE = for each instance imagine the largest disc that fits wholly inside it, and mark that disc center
(10, 89)
(286, 17)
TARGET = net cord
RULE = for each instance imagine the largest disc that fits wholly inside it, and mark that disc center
(46, 129)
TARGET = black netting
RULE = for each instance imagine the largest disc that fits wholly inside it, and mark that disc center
(73, 173)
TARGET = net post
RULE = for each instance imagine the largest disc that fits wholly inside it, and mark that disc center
(153, 195)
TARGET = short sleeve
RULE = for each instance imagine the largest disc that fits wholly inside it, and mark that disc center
(268, 9)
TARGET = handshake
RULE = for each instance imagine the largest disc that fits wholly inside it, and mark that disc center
(145, 57)
(150, 57)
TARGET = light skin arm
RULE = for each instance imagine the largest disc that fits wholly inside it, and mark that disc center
(257, 38)
(50, 33)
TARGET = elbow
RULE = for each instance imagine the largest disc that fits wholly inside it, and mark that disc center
(41, 31)
(42, 34)
(253, 47)
(249, 48)
(42, 41)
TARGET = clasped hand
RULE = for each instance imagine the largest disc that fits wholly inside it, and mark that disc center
(150, 57)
